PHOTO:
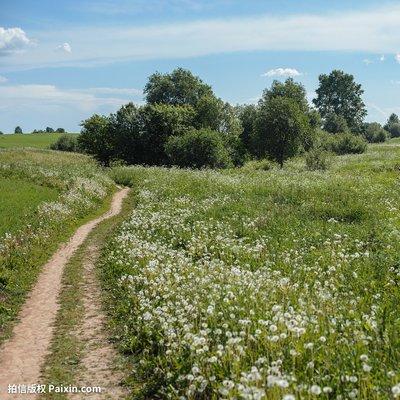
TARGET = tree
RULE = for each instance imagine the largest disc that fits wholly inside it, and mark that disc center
(49, 130)
(281, 128)
(394, 130)
(1, 133)
(374, 133)
(289, 89)
(335, 123)
(338, 93)
(180, 87)
(60, 130)
(96, 139)
(393, 119)
(66, 142)
(18, 130)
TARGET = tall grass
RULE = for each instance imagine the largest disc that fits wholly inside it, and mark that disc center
(260, 284)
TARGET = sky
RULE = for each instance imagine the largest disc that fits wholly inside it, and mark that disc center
(62, 61)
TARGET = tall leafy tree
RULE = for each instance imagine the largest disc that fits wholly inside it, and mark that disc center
(339, 94)
(18, 129)
(180, 87)
(281, 129)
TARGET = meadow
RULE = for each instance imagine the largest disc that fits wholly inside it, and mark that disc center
(34, 140)
(243, 283)
(45, 196)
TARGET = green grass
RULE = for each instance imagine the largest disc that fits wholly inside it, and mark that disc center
(19, 200)
(35, 140)
(260, 284)
(63, 363)
(46, 195)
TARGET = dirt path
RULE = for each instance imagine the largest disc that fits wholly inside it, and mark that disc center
(22, 356)
(99, 355)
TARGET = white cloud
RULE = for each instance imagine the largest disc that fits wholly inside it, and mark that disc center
(65, 47)
(3, 79)
(367, 61)
(282, 72)
(13, 40)
(116, 91)
(49, 95)
(382, 58)
(397, 57)
(374, 30)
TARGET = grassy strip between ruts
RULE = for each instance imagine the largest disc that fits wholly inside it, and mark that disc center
(63, 363)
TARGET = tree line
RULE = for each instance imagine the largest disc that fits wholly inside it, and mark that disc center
(184, 123)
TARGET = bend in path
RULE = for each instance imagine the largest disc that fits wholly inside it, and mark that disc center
(22, 356)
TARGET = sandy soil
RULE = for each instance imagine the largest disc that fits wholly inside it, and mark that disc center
(22, 356)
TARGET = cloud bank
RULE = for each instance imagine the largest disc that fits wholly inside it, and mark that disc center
(13, 40)
(284, 72)
(374, 30)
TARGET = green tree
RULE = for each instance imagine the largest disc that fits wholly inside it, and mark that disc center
(180, 87)
(60, 130)
(198, 149)
(96, 138)
(374, 133)
(247, 115)
(334, 123)
(49, 130)
(1, 133)
(338, 93)
(18, 130)
(281, 129)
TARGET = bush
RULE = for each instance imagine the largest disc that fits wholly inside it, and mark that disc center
(18, 130)
(344, 143)
(198, 149)
(394, 130)
(318, 159)
(335, 123)
(258, 165)
(66, 143)
(374, 133)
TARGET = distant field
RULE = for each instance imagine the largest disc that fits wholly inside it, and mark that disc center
(37, 140)
(17, 205)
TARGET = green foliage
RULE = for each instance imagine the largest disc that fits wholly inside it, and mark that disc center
(96, 138)
(281, 128)
(66, 142)
(247, 115)
(37, 140)
(258, 165)
(339, 94)
(344, 143)
(334, 123)
(374, 133)
(49, 130)
(318, 159)
(60, 130)
(180, 87)
(198, 149)
(393, 119)
(1, 133)
(394, 130)
(18, 130)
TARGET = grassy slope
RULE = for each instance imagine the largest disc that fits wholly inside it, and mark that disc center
(206, 250)
(19, 199)
(73, 186)
(36, 140)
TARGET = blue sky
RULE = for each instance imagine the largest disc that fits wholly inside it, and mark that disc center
(62, 61)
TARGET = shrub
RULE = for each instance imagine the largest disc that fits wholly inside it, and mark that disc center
(394, 130)
(198, 149)
(18, 130)
(374, 133)
(318, 159)
(344, 143)
(66, 143)
(258, 165)
(60, 130)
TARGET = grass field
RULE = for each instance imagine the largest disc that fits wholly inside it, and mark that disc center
(45, 195)
(35, 140)
(260, 284)
(19, 200)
